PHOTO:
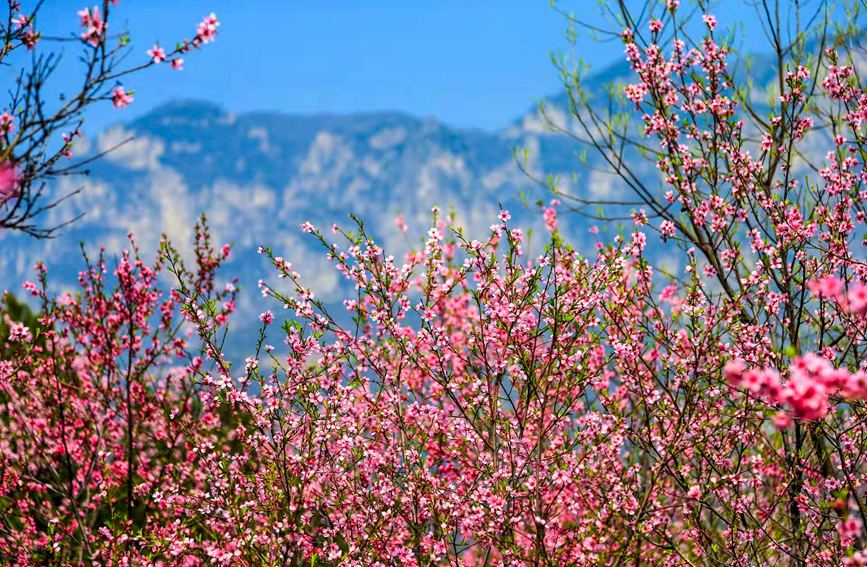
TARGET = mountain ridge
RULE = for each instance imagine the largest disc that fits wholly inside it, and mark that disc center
(258, 175)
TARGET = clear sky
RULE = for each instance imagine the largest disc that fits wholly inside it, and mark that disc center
(470, 63)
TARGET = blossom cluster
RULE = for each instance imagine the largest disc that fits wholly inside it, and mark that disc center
(811, 382)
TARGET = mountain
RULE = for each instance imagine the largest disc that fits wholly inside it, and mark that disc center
(259, 175)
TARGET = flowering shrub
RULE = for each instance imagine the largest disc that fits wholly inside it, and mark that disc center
(101, 422)
(475, 403)
(462, 413)
(772, 268)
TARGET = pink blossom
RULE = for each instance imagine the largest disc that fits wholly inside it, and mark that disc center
(30, 38)
(666, 229)
(850, 528)
(827, 287)
(19, 333)
(549, 215)
(206, 31)
(639, 241)
(121, 97)
(21, 21)
(782, 420)
(8, 182)
(157, 54)
(7, 123)
(710, 21)
(31, 288)
(856, 299)
(93, 24)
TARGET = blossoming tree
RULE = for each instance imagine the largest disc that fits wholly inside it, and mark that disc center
(476, 404)
(771, 228)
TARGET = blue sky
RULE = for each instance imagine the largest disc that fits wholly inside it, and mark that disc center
(476, 63)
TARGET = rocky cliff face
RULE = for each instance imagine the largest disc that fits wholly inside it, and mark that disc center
(258, 176)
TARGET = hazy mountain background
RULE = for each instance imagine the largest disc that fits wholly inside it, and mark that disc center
(258, 176)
